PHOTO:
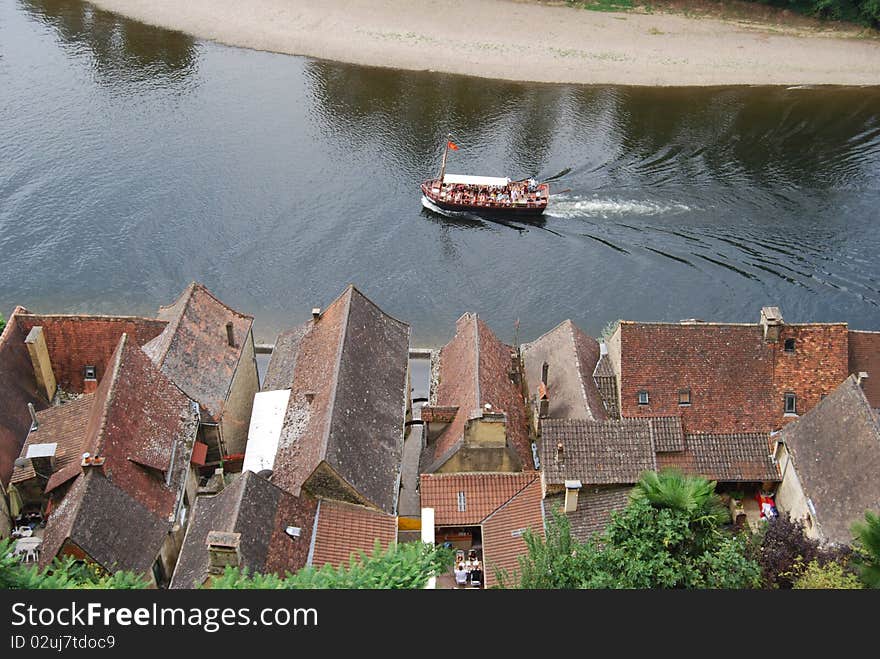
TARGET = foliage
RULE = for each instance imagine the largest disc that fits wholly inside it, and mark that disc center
(602, 5)
(2, 322)
(784, 548)
(864, 12)
(867, 557)
(609, 330)
(62, 573)
(830, 575)
(669, 536)
(401, 566)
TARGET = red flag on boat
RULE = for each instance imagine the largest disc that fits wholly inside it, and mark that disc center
(452, 146)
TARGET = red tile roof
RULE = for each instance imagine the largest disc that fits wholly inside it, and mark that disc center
(738, 457)
(77, 341)
(864, 355)
(503, 530)
(737, 379)
(346, 410)
(343, 529)
(194, 351)
(141, 424)
(474, 371)
(483, 494)
(18, 387)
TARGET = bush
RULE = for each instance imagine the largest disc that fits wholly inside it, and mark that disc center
(831, 575)
(785, 548)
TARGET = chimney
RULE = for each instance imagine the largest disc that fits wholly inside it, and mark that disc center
(603, 349)
(513, 374)
(230, 336)
(42, 457)
(559, 452)
(316, 313)
(863, 375)
(771, 321)
(543, 401)
(571, 495)
(545, 369)
(39, 353)
(223, 551)
(34, 423)
(309, 396)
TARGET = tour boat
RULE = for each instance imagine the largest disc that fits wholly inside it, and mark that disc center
(484, 194)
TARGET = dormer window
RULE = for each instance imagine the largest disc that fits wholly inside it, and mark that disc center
(90, 373)
(790, 403)
(643, 398)
(789, 345)
(684, 397)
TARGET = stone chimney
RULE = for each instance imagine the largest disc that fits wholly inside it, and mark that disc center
(771, 321)
(572, 488)
(316, 313)
(223, 550)
(861, 377)
(39, 353)
(230, 335)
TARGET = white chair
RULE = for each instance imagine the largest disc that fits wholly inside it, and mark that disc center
(31, 555)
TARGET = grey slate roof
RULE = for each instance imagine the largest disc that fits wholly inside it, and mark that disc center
(596, 452)
(571, 357)
(282, 363)
(667, 433)
(734, 457)
(594, 509)
(347, 405)
(259, 511)
(835, 450)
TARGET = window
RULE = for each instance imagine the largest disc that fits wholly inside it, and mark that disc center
(90, 373)
(790, 403)
(462, 502)
(643, 398)
(789, 345)
(684, 396)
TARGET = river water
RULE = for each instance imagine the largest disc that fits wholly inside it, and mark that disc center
(134, 159)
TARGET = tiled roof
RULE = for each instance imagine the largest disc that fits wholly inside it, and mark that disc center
(503, 531)
(736, 457)
(77, 341)
(474, 370)
(737, 380)
(864, 356)
(260, 512)
(18, 387)
(478, 493)
(596, 452)
(64, 425)
(282, 363)
(193, 349)
(835, 451)
(347, 403)
(667, 433)
(343, 529)
(594, 509)
(571, 357)
(144, 427)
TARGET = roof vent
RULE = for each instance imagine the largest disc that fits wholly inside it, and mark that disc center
(293, 531)
(309, 395)
(487, 407)
(861, 377)
(230, 336)
(34, 423)
(560, 449)
(316, 313)
(603, 348)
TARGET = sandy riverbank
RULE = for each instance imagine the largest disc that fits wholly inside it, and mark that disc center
(525, 41)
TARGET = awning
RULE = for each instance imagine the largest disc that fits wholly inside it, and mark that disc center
(476, 180)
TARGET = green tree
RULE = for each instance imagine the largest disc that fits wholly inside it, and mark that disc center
(401, 566)
(691, 495)
(867, 556)
(555, 561)
(831, 575)
(2, 322)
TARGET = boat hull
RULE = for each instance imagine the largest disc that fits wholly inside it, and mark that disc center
(489, 209)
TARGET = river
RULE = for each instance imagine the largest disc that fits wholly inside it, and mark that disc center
(134, 159)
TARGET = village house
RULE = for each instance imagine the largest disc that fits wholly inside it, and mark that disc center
(207, 349)
(324, 450)
(110, 471)
(476, 419)
(830, 460)
(487, 514)
(255, 525)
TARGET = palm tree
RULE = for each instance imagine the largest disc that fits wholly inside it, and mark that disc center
(868, 558)
(689, 494)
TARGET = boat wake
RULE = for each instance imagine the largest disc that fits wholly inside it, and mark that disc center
(572, 207)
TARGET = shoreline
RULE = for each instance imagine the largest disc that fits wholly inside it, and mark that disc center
(546, 43)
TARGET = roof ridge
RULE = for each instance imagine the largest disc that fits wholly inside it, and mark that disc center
(549, 331)
(174, 323)
(511, 498)
(334, 383)
(236, 509)
(479, 403)
(577, 363)
(111, 391)
(208, 292)
(378, 308)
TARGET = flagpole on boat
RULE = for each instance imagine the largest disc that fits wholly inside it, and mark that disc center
(445, 153)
